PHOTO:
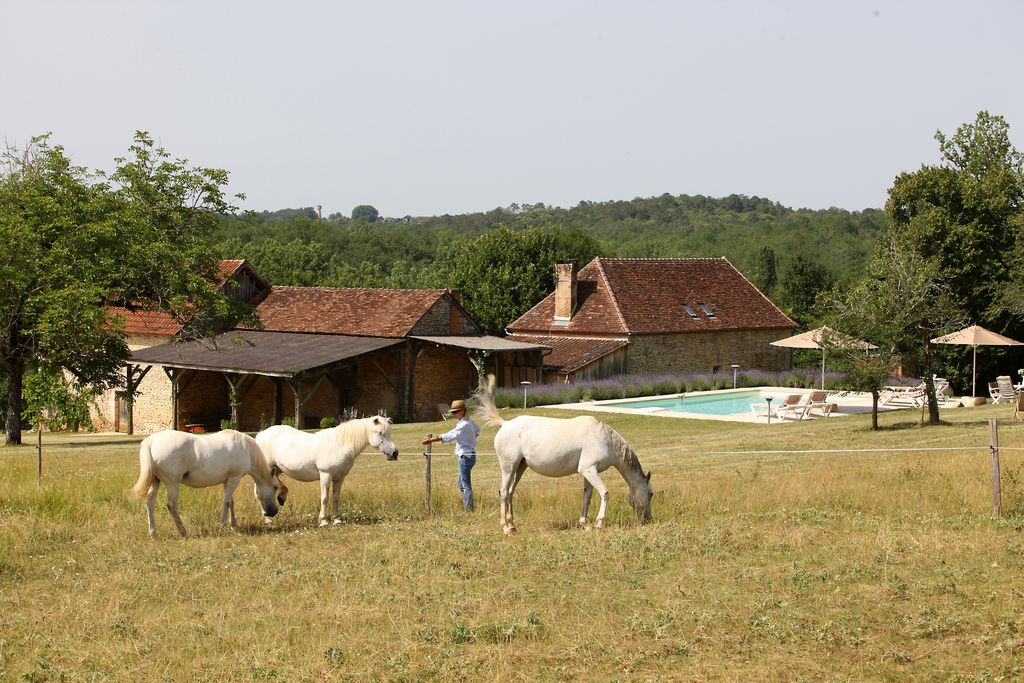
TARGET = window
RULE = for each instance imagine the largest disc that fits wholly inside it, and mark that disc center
(692, 313)
(707, 311)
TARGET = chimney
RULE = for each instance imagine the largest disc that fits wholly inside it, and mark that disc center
(565, 292)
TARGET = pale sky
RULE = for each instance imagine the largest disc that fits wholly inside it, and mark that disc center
(432, 107)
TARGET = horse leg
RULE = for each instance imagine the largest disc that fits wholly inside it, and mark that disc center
(325, 482)
(591, 475)
(172, 507)
(150, 505)
(588, 489)
(511, 491)
(228, 510)
(335, 493)
(505, 494)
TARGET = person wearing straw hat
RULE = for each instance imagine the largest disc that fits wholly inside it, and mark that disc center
(464, 434)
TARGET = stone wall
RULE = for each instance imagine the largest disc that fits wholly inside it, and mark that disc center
(442, 375)
(153, 403)
(707, 351)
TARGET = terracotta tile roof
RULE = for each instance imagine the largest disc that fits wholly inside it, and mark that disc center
(569, 354)
(157, 322)
(356, 311)
(650, 296)
(146, 322)
(229, 266)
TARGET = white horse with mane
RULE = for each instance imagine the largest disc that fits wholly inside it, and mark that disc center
(327, 455)
(175, 458)
(558, 447)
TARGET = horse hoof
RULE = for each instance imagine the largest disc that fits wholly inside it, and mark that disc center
(324, 522)
(509, 530)
(599, 524)
(336, 522)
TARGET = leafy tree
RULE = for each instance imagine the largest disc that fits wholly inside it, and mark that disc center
(765, 270)
(77, 241)
(503, 273)
(967, 215)
(365, 213)
(800, 286)
(54, 402)
(899, 306)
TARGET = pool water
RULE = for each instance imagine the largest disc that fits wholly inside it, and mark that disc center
(718, 403)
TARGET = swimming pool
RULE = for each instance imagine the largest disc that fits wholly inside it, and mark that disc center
(710, 403)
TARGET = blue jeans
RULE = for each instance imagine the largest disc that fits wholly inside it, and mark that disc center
(466, 463)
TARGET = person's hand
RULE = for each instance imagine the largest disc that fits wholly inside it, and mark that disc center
(427, 439)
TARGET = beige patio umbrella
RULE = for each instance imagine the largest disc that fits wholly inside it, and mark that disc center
(814, 338)
(976, 336)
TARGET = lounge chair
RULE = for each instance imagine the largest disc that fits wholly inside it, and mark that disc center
(443, 409)
(816, 401)
(1007, 394)
(993, 391)
(1018, 406)
(765, 409)
(903, 397)
(793, 406)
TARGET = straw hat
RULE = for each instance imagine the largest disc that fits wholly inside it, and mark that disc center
(457, 404)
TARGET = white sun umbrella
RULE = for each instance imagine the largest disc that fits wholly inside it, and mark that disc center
(822, 338)
(976, 336)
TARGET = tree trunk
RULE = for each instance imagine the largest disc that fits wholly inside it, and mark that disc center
(933, 405)
(874, 410)
(12, 420)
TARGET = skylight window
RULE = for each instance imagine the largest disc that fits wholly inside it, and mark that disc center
(692, 313)
(707, 311)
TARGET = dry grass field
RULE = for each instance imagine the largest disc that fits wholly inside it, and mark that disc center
(758, 567)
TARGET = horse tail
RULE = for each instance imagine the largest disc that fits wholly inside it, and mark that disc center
(146, 476)
(487, 411)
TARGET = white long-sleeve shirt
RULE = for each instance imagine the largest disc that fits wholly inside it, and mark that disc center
(464, 434)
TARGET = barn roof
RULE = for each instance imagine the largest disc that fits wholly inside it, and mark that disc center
(352, 311)
(658, 296)
(569, 354)
(482, 343)
(281, 354)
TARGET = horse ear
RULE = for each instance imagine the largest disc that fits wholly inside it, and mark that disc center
(274, 470)
(648, 476)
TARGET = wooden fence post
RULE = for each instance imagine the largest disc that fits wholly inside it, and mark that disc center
(997, 504)
(426, 485)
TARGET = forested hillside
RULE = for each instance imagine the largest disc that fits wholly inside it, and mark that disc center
(792, 254)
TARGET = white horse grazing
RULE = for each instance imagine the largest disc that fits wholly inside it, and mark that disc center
(327, 455)
(175, 458)
(557, 448)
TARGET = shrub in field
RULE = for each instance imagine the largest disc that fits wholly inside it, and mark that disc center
(328, 422)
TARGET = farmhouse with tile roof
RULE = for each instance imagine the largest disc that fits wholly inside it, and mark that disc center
(402, 352)
(619, 316)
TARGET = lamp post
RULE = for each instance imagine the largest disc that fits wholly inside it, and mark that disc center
(524, 384)
(768, 400)
(735, 367)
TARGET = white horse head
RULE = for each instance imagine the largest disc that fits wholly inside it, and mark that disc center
(378, 431)
(640, 495)
(267, 487)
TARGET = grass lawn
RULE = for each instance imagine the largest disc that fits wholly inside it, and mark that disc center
(758, 567)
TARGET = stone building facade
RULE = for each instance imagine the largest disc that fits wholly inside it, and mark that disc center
(321, 352)
(618, 316)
